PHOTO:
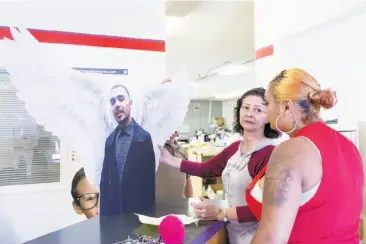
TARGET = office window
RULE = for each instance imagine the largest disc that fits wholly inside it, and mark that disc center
(28, 153)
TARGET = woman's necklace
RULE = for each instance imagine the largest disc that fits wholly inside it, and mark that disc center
(244, 152)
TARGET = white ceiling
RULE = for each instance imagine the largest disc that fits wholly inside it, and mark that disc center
(208, 34)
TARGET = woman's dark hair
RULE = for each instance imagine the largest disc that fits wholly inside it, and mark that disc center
(259, 92)
(75, 182)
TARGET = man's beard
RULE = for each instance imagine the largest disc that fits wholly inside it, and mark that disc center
(124, 120)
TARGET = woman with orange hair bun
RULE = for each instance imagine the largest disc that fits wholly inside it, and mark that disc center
(312, 190)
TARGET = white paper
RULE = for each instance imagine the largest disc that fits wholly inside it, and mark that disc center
(194, 200)
(186, 220)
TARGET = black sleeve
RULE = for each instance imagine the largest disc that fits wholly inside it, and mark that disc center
(150, 161)
(150, 153)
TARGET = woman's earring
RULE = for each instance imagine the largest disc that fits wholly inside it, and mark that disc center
(287, 132)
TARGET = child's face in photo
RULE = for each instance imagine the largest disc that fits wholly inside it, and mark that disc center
(87, 202)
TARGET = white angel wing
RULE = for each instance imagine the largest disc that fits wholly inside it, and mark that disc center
(68, 103)
(165, 107)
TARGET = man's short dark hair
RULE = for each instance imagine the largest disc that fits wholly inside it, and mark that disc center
(75, 182)
(121, 86)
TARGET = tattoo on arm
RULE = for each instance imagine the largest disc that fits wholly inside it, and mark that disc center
(282, 193)
(279, 178)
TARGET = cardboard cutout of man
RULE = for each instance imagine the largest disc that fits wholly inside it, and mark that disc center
(128, 174)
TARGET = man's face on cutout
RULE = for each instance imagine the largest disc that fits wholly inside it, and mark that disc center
(121, 104)
(88, 198)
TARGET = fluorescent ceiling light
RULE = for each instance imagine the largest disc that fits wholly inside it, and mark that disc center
(173, 22)
(230, 95)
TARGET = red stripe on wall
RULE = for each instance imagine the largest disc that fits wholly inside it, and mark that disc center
(264, 52)
(81, 39)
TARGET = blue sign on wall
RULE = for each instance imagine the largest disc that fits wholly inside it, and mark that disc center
(104, 71)
(91, 70)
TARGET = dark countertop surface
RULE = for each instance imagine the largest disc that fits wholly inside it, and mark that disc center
(111, 230)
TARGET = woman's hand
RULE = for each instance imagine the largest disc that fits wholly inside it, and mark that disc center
(167, 158)
(206, 210)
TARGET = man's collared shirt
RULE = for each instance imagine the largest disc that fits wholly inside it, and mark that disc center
(123, 143)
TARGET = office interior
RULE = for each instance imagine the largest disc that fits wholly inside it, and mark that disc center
(227, 47)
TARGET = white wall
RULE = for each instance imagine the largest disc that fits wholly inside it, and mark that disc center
(332, 51)
(335, 56)
(279, 21)
(40, 209)
(327, 40)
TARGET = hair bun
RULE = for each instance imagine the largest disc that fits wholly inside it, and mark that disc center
(324, 98)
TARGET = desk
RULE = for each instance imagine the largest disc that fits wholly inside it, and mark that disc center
(109, 230)
(197, 154)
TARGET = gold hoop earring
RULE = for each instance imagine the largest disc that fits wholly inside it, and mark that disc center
(287, 132)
